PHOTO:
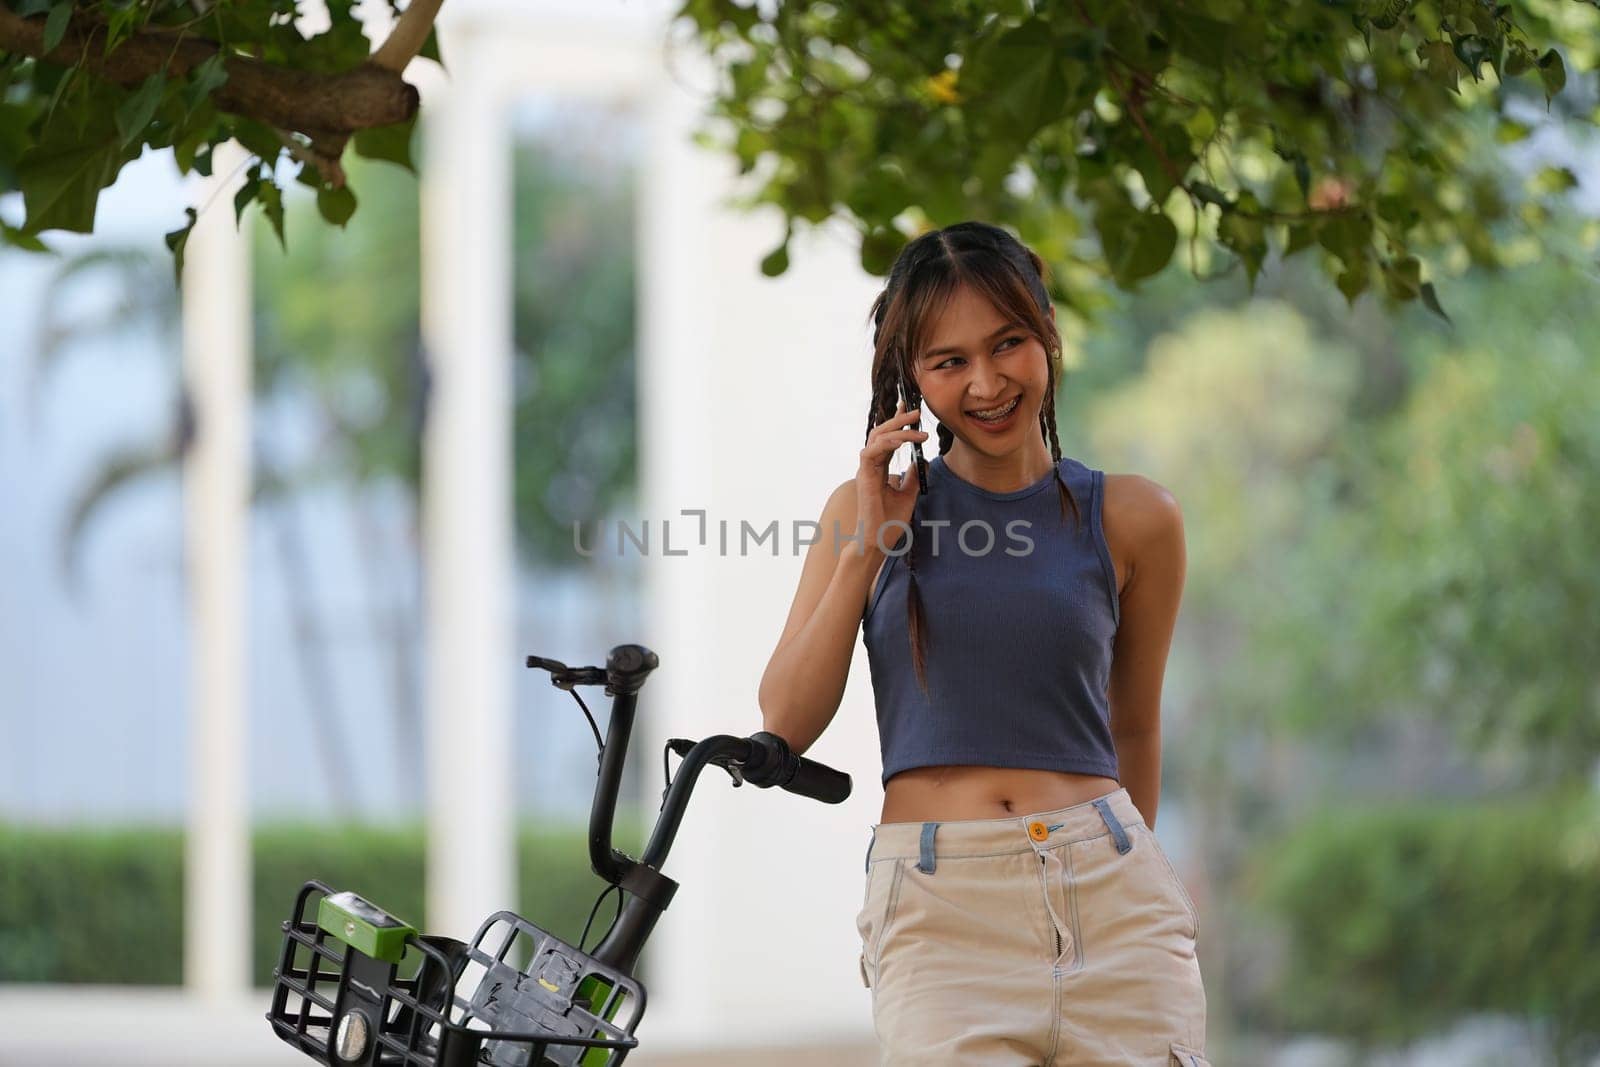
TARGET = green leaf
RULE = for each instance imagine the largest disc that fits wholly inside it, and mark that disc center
(1392, 207)
(1347, 236)
(1019, 81)
(1301, 235)
(430, 47)
(120, 24)
(135, 113)
(1207, 40)
(776, 262)
(271, 198)
(70, 82)
(1551, 180)
(1136, 243)
(204, 80)
(1353, 281)
(1403, 278)
(10, 235)
(1430, 300)
(336, 205)
(241, 200)
(1440, 62)
(55, 26)
(177, 240)
(259, 139)
(1472, 50)
(390, 143)
(878, 249)
(62, 174)
(1552, 72)
(1390, 14)
(1510, 131)
(1246, 236)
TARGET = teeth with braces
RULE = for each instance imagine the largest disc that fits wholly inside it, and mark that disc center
(1001, 411)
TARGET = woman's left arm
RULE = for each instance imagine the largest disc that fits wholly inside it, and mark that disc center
(1144, 529)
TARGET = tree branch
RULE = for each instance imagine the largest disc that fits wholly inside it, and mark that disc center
(408, 36)
(322, 106)
(329, 167)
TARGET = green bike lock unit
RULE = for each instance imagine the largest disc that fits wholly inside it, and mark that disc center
(364, 926)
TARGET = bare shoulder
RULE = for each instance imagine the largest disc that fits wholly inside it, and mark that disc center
(1141, 517)
(841, 503)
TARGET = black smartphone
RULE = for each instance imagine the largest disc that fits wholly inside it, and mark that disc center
(910, 398)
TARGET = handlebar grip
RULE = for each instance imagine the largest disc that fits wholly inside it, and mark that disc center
(773, 762)
(819, 782)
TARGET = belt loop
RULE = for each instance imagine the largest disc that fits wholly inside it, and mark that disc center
(925, 861)
(867, 866)
(1117, 832)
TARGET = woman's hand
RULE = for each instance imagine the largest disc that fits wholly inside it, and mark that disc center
(879, 498)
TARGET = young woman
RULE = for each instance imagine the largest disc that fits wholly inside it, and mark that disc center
(1018, 607)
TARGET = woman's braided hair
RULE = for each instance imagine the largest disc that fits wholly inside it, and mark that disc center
(929, 269)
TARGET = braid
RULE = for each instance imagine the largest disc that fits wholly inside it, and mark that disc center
(1047, 424)
(885, 392)
(1047, 412)
(888, 375)
(916, 616)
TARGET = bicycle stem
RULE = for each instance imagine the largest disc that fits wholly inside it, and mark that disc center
(607, 862)
(646, 891)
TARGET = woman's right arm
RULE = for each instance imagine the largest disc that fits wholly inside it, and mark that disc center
(804, 681)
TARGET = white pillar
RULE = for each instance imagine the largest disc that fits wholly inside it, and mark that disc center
(216, 502)
(466, 494)
(753, 397)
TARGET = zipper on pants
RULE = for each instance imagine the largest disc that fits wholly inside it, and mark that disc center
(1053, 927)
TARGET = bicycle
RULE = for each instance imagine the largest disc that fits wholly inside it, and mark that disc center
(355, 985)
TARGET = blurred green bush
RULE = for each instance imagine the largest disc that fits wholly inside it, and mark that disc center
(1402, 919)
(104, 905)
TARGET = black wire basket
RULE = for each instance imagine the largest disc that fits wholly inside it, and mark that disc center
(354, 986)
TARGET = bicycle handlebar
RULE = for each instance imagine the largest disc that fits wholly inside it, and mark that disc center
(772, 762)
(763, 759)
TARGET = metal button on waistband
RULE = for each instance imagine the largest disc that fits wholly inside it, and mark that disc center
(1038, 831)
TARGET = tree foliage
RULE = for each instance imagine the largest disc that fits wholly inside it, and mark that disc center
(1103, 131)
(1402, 919)
(86, 86)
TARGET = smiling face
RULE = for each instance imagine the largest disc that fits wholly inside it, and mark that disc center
(977, 363)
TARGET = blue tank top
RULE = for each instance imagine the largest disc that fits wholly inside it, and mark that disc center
(1021, 605)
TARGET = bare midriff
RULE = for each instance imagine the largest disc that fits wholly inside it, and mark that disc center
(944, 794)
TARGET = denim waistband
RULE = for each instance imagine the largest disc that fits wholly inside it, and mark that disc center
(924, 841)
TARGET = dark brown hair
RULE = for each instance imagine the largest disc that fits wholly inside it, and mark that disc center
(925, 275)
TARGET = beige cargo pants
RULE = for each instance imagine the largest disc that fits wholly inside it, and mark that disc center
(1059, 939)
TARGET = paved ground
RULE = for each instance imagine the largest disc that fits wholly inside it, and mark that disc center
(64, 1026)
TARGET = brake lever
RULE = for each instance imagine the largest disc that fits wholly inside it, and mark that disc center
(565, 677)
(573, 677)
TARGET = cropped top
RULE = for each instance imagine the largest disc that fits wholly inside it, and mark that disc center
(1020, 607)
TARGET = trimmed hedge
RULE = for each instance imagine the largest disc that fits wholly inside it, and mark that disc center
(1402, 920)
(104, 905)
